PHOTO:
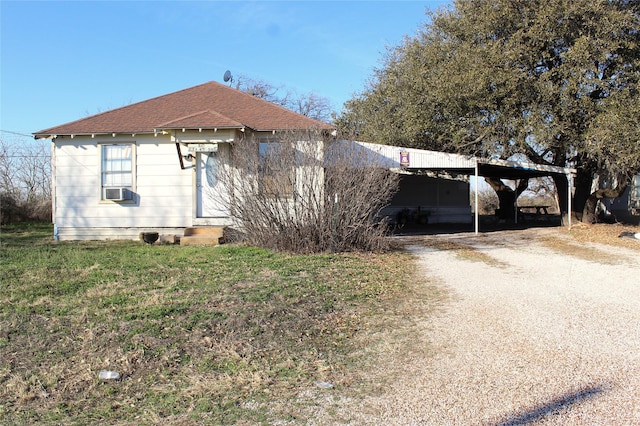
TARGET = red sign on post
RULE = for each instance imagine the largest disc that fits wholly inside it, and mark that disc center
(404, 158)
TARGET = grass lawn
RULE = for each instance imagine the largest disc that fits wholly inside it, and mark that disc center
(199, 335)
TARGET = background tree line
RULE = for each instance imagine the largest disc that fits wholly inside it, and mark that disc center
(309, 104)
(25, 178)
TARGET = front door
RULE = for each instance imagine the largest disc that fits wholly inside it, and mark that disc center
(209, 190)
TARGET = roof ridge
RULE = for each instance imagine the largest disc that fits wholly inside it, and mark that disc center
(121, 107)
(195, 114)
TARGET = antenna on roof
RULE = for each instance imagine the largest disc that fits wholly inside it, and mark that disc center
(227, 77)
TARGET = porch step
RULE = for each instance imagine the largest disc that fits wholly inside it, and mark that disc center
(203, 236)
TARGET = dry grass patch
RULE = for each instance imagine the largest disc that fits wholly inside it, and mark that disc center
(212, 335)
(463, 251)
(587, 241)
(606, 234)
(563, 246)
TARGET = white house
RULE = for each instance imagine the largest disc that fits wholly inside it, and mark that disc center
(150, 166)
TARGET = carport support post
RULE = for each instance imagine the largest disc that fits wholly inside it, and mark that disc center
(515, 201)
(569, 197)
(476, 214)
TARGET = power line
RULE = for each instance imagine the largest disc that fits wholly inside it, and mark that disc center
(16, 133)
(28, 156)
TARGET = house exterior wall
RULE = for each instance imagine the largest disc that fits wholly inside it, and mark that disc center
(162, 193)
(304, 201)
(165, 197)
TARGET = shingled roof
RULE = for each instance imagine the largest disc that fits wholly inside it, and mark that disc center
(206, 106)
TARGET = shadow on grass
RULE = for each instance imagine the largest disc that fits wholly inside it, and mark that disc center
(554, 406)
(26, 233)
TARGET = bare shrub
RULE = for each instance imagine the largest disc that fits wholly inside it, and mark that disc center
(38, 209)
(303, 193)
(487, 201)
(9, 208)
(15, 209)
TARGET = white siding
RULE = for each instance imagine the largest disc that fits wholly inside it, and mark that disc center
(163, 192)
(112, 233)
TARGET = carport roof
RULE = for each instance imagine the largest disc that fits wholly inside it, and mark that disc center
(518, 169)
(411, 159)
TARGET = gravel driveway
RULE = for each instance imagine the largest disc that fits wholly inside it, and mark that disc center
(541, 338)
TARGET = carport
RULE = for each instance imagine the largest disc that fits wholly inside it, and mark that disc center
(516, 170)
(411, 160)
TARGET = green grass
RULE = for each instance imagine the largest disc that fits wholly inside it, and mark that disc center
(215, 335)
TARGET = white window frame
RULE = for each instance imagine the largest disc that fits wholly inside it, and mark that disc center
(126, 168)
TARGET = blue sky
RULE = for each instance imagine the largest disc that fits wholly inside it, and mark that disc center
(61, 61)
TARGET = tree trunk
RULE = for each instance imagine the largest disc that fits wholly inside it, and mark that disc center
(506, 197)
(589, 210)
(582, 182)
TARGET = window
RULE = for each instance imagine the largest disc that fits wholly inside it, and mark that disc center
(117, 172)
(276, 177)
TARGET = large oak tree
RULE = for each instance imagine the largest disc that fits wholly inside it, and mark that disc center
(555, 81)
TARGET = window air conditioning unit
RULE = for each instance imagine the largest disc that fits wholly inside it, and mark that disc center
(116, 194)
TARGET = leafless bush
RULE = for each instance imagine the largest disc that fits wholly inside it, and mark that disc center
(14, 210)
(25, 179)
(304, 193)
(9, 208)
(487, 201)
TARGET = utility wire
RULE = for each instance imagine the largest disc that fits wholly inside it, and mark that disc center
(16, 133)
(27, 156)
